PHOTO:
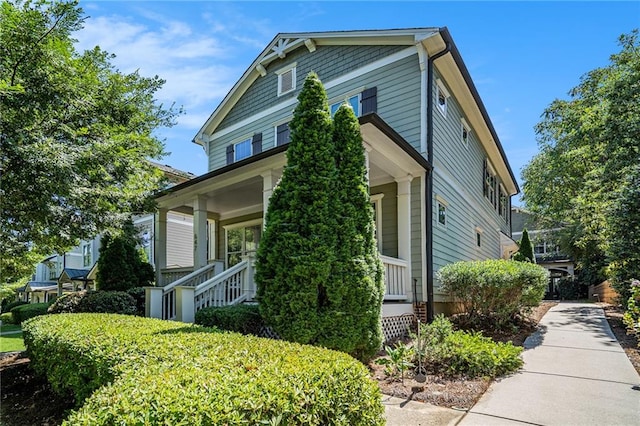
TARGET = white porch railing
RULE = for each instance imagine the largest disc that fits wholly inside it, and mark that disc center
(396, 278)
(170, 275)
(228, 288)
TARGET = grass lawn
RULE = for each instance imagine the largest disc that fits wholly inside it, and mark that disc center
(11, 342)
(9, 327)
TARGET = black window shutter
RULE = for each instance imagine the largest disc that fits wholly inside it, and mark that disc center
(230, 154)
(282, 134)
(256, 144)
(484, 179)
(369, 100)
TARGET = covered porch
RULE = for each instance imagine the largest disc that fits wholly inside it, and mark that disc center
(228, 206)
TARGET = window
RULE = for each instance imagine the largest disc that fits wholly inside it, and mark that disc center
(242, 150)
(53, 271)
(145, 243)
(489, 183)
(442, 206)
(86, 255)
(354, 101)
(242, 239)
(282, 134)
(286, 79)
(464, 136)
(479, 233)
(503, 204)
(442, 97)
(539, 248)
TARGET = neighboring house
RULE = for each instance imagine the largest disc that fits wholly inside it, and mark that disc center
(545, 248)
(76, 269)
(440, 182)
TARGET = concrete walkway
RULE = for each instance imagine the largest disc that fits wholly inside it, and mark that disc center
(575, 373)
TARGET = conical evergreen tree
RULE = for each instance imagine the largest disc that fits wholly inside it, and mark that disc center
(525, 252)
(356, 293)
(297, 249)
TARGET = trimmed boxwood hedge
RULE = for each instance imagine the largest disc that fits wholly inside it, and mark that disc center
(243, 319)
(134, 370)
(24, 312)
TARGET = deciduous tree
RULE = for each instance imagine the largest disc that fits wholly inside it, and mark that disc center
(588, 145)
(75, 133)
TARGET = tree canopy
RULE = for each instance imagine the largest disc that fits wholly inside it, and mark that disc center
(75, 133)
(588, 145)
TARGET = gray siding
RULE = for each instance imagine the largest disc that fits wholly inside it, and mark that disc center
(179, 240)
(328, 62)
(398, 104)
(458, 179)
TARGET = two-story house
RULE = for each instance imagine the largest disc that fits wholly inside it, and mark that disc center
(439, 179)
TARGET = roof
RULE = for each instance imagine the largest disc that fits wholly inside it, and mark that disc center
(172, 172)
(75, 274)
(433, 39)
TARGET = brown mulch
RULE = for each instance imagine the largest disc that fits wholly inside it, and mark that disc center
(459, 392)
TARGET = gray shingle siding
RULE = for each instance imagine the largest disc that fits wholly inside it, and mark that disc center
(329, 62)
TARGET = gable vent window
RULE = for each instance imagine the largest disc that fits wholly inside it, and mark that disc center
(286, 79)
(442, 97)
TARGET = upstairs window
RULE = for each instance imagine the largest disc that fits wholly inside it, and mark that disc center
(354, 101)
(503, 204)
(464, 131)
(242, 150)
(286, 79)
(86, 255)
(442, 206)
(282, 134)
(442, 97)
(489, 184)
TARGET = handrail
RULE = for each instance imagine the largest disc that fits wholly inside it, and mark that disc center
(184, 280)
(221, 277)
(393, 261)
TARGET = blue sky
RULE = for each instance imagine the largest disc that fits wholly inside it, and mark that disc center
(521, 54)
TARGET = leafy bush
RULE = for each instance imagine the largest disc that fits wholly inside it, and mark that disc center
(631, 317)
(12, 305)
(243, 319)
(496, 290)
(569, 289)
(525, 252)
(30, 310)
(134, 370)
(6, 318)
(461, 353)
(114, 302)
(138, 295)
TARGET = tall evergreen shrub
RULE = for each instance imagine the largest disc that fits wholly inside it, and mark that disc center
(354, 323)
(525, 253)
(121, 266)
(293, 268)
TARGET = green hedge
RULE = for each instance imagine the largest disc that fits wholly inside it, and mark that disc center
(497, 289)
(243, 319)
(13, 304)
(136, 370)
(24, 312)
(106, 302)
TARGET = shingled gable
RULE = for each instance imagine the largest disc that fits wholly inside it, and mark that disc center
(434, 40)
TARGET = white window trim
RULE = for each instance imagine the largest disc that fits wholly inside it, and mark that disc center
(237, 141)
(465, 126)
(290, 67)
(441, 88)
(445, 204)
(377, 200)
(235, 226)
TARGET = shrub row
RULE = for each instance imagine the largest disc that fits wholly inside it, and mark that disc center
(243, 319)
(497, 289)
(136, 370)
(113, 302)
(458, 352)
(12, 305)
(24, 312)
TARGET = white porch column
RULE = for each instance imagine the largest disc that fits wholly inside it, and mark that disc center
(404, 217)
(160, 243)
(199, 232)
(268, 183)
(153, 302)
